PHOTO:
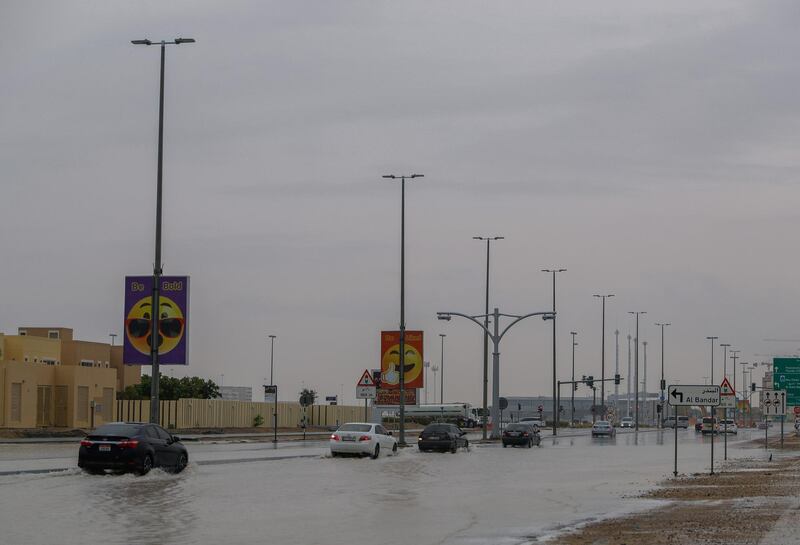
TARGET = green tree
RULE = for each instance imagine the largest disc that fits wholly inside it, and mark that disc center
(307, 397)
(170, 388)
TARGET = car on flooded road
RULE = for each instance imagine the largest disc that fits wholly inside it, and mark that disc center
(131, 447)
(442, 437)
(362, 439)
(603, 428)
(522, 435)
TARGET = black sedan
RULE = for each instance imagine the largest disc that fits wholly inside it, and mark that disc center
(442, 437)
(521, 434)
(131, 446)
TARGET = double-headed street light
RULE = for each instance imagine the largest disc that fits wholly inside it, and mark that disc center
(155, 335)
(486, 336)
(663, 382)
(402, 178)
(603, 355)
(713, 412)
(553, 317)
(636, 370)
(496, 336)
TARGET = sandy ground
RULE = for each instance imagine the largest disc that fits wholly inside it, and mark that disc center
(738, 505)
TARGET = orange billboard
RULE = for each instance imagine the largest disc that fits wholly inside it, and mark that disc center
(390, 359)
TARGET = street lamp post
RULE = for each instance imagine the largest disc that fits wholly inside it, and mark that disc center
(441, 383)
(157, 270)
(713, 412)
(636, 371)
(734, 356)
(496, 336)
(616, 372)
(425, 365)
(486, 339)
(435, 369)
(644, 383)
(555, 409)
(572, 400)
(272, 383)
(663, 384)
(603, 356)
(628, 380)
(402, 178)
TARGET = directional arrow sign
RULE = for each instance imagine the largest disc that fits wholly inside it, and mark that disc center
(773, 402)
(684, 395)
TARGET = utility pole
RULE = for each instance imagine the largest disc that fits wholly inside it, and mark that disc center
(644, 384)
(441, 383)
(663, 384)
(402, 437)
(572, 410)
(155, 331)
(485, 418)
(553, 317)
(628, 379)
(603, 356)
(616, 371)
(636, 372)
(734, 357)
(713, 412)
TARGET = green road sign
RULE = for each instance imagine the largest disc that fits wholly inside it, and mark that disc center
(786, 376)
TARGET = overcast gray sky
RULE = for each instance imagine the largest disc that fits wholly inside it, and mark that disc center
(649, 148)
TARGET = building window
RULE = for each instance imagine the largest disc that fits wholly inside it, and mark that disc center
(23, 332)
(26, 358)
(48, 361)
(53, 334)
(87, 363)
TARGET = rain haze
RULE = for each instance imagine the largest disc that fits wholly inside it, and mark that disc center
(649, 149)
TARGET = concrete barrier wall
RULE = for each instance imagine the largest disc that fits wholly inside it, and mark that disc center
(218, 413)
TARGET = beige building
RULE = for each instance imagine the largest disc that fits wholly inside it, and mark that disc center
(49, 379)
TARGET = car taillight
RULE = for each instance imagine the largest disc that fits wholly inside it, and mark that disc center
(86, 443)
(364, 438)
(335, 437)
(525, 434)
(505, 433)
(128, 443)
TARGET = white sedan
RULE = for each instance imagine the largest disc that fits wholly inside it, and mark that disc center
(362, 439)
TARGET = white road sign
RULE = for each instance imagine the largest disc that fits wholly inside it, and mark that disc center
(727, 395)
(773, 402)
(684, 395)
(365, 392)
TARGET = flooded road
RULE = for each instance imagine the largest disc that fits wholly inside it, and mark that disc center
(488, 495)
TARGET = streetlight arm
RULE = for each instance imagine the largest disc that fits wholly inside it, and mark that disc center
(548, 313)
(447, 315)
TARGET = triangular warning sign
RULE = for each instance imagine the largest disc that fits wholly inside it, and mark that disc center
(725, 389)
(366, 379)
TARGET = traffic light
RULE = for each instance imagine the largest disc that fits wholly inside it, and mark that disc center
(753, 387)
(617, 379)
(658, 409)
(561, 408)
(590, 381)
(575, 385)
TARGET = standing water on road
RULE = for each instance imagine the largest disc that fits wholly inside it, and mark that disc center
(487, 495)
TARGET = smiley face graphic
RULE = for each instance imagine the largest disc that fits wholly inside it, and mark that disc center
(391, 365)
(139, 325)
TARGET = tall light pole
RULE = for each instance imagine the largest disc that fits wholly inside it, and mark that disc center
(486, 340)
(628, 379)
(271, 383)
(441, 384)
(572, 410)
(425, 365)
(663, 383)
(724, 360)
(496, 336)
(603, 356)
(636, 371)
(644, 382)
(402, 178)
(616, 372)
(556, 415)
(734, 357)
(155, 335)
(435, 369)
(713, 413)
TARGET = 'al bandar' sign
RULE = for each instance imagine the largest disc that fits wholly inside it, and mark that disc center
(173, 320)
(682, 395)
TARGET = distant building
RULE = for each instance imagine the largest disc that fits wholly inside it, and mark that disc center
(236, 393)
